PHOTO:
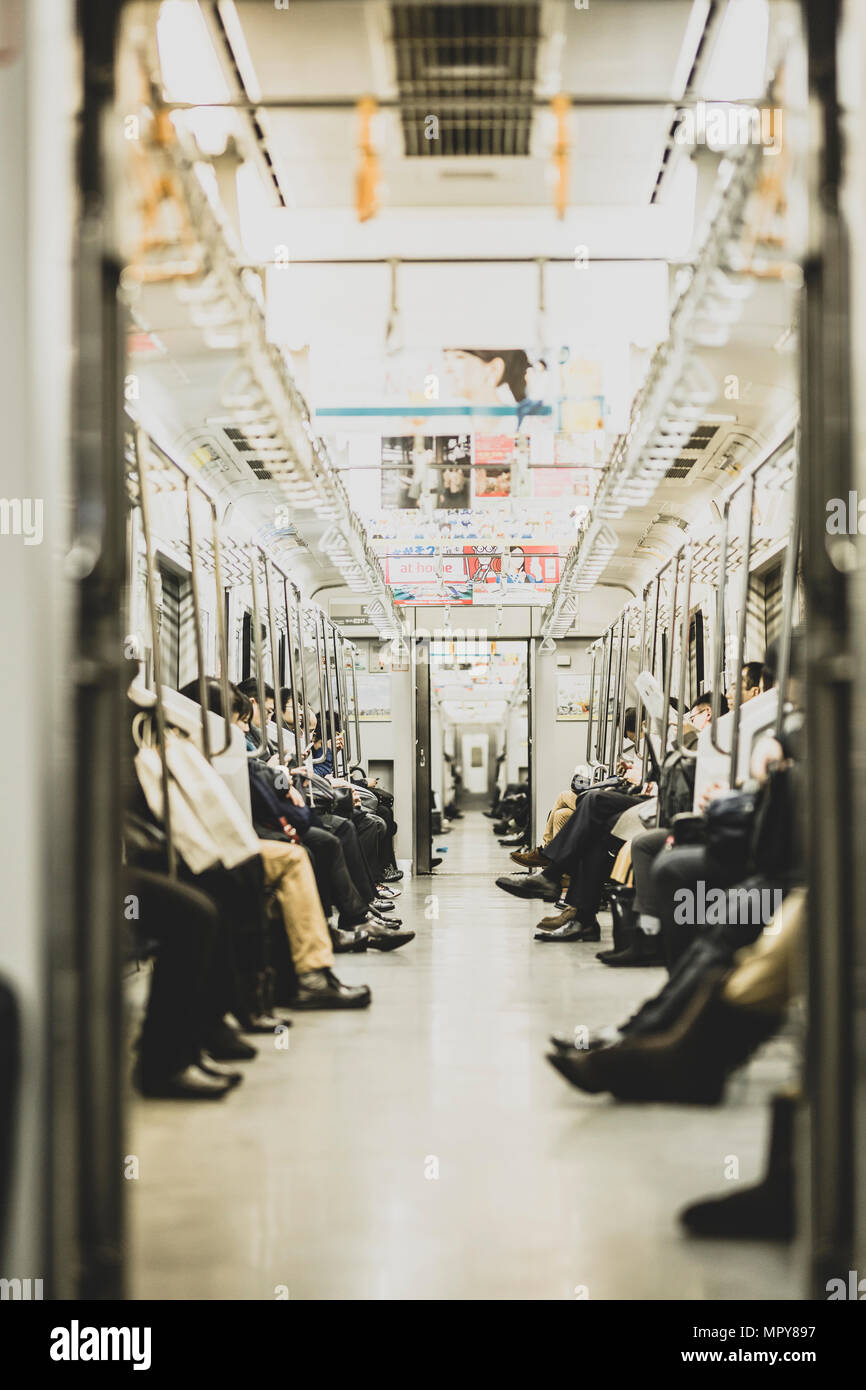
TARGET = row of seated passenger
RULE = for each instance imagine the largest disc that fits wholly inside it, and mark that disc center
(713, 893)
(277, 870)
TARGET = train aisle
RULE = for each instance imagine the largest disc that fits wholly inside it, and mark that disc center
(424, 1150)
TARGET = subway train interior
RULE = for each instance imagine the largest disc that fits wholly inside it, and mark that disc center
(432, 572)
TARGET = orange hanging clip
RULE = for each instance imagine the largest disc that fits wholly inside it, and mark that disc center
(368, 176)
(561, 106)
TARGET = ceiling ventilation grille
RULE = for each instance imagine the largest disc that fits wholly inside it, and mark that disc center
(472, 67)
(698, 442)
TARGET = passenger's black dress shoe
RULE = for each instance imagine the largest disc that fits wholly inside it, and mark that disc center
(687, 1065)
(206, 1064)
(225, 1045)
(765, 1211)
(384, 937)
(382, 905)
(190, 1084)
(643, 950)
(392, 875)
(344, 941)
(530, 886)
(320, 989)
(571, 931)
(512, 841)
(565, 1042)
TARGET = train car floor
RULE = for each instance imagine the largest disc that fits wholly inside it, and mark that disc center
(424, 1149)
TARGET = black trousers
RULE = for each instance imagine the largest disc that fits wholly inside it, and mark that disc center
(711, 948)
(387, 815)
(193, 983)
(328, 851)
(596, 811)
(585, 888)
(683, 867)
(644, 849)
(356, 862)
(240, 898)
(370, 830)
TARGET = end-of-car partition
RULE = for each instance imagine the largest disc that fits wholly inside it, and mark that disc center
(277, 613)
(657, 635)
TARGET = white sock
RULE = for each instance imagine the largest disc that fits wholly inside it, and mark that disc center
(650, 926)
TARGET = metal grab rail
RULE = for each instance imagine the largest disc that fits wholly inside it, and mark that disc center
(685, 645)
(348, 741)
(275, 675)
(718, 635)
(741, 634)
(337, 709)
(196, 618)
(639, 741)
(322, 728)
(355, 707)
(601, 740)
(305, 721)
(222, 634)
(257, 645)
(623, 697)
(589, 720)
(144, 505)
(616, 718)
(652, 669)
(329, 697)
(669, 663)
(789, 584)
(290, 659)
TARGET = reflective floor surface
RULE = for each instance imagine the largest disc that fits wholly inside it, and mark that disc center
(425, 1150)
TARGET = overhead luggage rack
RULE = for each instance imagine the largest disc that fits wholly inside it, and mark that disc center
(264, 400)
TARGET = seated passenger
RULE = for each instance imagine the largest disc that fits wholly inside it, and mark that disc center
(713, 899)
(638, 922)
(280, 815)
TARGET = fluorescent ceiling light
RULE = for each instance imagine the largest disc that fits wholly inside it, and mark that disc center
(738, 62)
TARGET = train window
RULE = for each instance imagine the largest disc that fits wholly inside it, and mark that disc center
(696, 655)
(176, 632)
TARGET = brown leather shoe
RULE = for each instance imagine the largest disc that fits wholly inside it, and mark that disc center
(567, 914)
(529, 858)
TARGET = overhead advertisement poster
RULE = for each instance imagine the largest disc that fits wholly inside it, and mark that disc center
(427, 575)
(572, 696)
(462, 427)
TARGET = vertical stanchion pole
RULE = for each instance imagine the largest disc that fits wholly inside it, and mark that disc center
(275, 674)
(196, 619)
(222, 635)
(144, 502)
(741, 634)
(257, 647)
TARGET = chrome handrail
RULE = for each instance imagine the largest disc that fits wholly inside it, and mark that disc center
(196, 619)
(222, 635)
(263, 751)
(741, 634)
(356, 709)
(144, 507)
(589, 721)
(789, 585)
(685, 646)
(275, 675)
(669, 663)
